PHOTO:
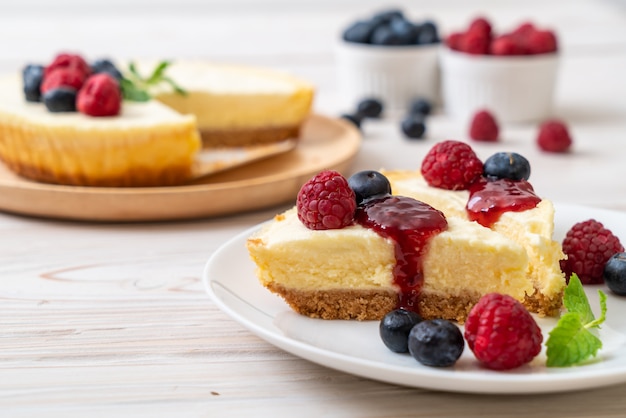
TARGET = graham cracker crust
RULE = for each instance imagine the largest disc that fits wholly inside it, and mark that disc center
(363, 305)
(543, 305)
(212, 138)
(453, 308)
(366, 305)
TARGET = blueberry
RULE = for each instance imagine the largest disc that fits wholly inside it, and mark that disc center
(405, 30)
(420, 106)
(368, 185)
(507, 165)
(413, 126)
(359, 32)
(106, 66)
(32, 75)
(436, 342)
(428, 33)
(356, 119)
(386, 16)
(384, 35)
(395, 327)
(370, 108)
(60, 99)
(615, 274)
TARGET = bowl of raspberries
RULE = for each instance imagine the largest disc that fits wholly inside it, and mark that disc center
(513, 71)
(390, 56)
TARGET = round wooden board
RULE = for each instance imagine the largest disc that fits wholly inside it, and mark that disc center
(325, 143)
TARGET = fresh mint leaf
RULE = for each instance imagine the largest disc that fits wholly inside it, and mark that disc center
(575, 299)
(137, 88)
(157, 73)
(133, 70)
(571, 341)
(175, 86)
(132, 93)
(599, 321)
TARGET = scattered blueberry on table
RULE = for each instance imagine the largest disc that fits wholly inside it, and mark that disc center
(413, 126)
(370, 107)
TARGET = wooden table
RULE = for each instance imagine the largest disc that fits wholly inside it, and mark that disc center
(112, 319)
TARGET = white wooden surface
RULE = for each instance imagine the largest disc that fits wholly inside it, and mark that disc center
(112, 320)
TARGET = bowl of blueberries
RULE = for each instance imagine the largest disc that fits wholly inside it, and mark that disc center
(388, 56)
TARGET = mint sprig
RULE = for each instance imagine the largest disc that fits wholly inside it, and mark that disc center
(136, 87)
(572, 341)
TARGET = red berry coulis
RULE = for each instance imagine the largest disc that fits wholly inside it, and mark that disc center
(410, 224)
(490, 199)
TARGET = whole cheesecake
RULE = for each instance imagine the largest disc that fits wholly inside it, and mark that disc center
(151, 143)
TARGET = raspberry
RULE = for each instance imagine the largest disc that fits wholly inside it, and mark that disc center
(71, 61)
(588, 246)
(554, 137)
(541, 42)
(480, 25)
(99, 96)
(475, 42)
(326, 202)
(523, 30)
(501, 332)
(451, 165)
(453, 41)
(484, 127)
(506, 45)
(62, 77)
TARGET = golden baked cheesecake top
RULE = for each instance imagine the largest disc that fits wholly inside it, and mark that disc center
(146, 114)
(228, 96)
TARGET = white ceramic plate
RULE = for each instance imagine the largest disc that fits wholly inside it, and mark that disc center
(355, 347)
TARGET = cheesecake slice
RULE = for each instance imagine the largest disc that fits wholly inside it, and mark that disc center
(533, 229)
(353, 272)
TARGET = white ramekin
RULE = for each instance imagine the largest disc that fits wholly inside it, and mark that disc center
(515, 88)
(394, 74)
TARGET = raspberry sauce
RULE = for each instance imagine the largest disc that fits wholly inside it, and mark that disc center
(410, 224)
(490, 199)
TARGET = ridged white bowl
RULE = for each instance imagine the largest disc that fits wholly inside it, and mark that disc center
(515, 88)
(394, 74)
